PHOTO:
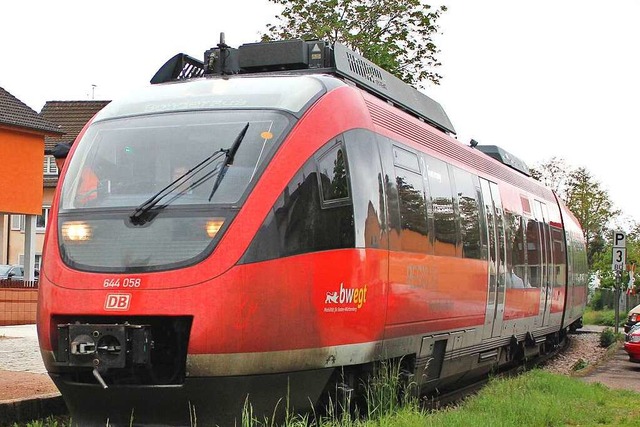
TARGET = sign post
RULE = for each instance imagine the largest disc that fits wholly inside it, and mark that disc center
(618, 263)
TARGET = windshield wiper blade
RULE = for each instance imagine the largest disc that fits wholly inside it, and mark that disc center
(230, 155)
(142, 214)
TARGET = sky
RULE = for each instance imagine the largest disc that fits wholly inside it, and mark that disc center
(539, 79)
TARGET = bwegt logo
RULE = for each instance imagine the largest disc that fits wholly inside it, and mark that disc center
(357, 296)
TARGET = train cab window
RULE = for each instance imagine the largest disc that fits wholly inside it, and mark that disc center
(413, 207)
(332, 168)
(302, 220)
(467, 192)
(444, 214)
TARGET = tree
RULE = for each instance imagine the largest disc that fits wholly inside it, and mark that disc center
(585, 198)
(590, 203)
(602, 260)
(394, 34)
(553, 173)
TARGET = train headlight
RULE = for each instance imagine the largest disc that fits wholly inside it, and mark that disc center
(634, 317)
(634, 338)
(76, 231)
(213, 226)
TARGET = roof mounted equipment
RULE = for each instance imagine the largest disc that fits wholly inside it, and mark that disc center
(299, 56)
(505, 158)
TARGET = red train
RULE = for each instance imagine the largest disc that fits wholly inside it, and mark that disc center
(275, 221)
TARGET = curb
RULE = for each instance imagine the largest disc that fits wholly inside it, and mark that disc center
(25, 410)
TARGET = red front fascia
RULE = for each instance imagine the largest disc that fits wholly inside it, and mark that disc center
(307, 301)
(216, 284)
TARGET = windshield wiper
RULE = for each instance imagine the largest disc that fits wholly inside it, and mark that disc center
(142, 214)
(146, 212)
(231, 153)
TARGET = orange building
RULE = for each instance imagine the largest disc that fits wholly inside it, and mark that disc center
(22, 139)
(69, 118)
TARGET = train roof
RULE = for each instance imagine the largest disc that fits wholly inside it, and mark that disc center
(298, 56)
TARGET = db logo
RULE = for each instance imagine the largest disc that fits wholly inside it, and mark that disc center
(117, 302)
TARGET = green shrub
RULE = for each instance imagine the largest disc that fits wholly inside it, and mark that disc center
(607, 337)
(596, 302)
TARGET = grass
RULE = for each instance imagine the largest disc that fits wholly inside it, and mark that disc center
(536, 398)
(605, 317)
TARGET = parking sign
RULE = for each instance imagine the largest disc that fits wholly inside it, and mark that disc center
(619, 251)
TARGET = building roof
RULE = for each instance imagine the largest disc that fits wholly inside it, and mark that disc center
(15, 113)
(71, 116)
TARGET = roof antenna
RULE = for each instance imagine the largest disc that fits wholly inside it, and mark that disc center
(473, 143)
(224, 53)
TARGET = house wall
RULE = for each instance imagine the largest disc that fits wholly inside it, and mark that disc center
(17, 237)
(21, 178)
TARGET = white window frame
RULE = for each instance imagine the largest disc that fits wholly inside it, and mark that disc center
(18, 221)
(49, 167)
(38, 260)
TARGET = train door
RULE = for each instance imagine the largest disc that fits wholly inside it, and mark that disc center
(497, 259)
(546, 257)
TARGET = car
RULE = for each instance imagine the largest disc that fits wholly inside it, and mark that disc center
(633, 318)
(632, 343)
(13, 272)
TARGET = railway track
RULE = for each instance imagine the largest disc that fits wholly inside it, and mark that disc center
(433, 402)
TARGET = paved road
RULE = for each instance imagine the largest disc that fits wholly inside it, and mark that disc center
(19, 349)
(617, 373)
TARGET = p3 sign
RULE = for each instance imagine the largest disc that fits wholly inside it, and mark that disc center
(619, 254)
(117, 302)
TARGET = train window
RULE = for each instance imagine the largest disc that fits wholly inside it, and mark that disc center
(390, 188)
(413, 211)
(405, 159)
(332, 174)
(412, 202)
(467, 189)
(534, 253)
(559, 257)
(299, 222)
(367, 189)
(516, 254)
(444, 215)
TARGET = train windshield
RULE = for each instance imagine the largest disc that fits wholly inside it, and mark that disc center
(122, 163)
(125, 162)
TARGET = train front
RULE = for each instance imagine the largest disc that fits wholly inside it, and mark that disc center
(141, 303)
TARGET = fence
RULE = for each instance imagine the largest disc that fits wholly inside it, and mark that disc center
(608, 299)
(18, 301)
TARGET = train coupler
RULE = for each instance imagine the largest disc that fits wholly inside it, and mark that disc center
(102, 347)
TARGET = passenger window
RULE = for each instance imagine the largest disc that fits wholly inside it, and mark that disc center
(516, 261)
(534, 253)
(413, 206)
(559, 257)
(406, 159)
(467, 189)
(444, 215)
(365, 171)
